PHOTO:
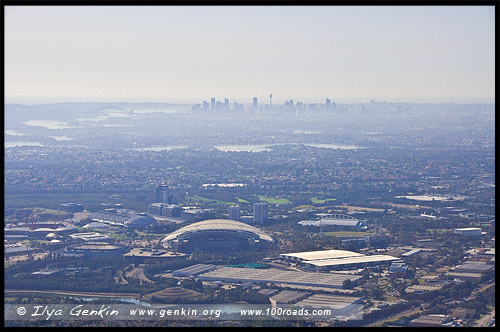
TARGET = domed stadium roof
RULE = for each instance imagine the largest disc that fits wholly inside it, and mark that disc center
(140, 220)
(96, 225)
(218, 225)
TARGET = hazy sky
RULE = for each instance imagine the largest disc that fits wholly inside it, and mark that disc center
(189, 54)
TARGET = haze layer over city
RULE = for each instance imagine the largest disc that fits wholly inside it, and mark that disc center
(249, 166)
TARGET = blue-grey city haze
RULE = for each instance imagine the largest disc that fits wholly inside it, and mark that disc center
(184, 54)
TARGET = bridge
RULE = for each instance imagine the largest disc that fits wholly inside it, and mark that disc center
(115, 107)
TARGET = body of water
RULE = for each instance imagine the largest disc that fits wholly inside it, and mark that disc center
(120, 299)
(49, 124)
(243, 148)
(14, 133)
(62, 138)
(14, 143)
(160, 148)
(268, 147)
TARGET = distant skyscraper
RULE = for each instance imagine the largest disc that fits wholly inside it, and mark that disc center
(162, 194)
(255, 103)
(205, 105)
(234, 213)
(212, 103)
(226, 104)
(270, 99)
(328, 104)
(259, 213)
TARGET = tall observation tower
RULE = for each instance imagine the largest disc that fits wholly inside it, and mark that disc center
(270, 99)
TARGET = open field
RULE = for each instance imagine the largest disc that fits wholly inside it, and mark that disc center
(271, 200)
(358, 208)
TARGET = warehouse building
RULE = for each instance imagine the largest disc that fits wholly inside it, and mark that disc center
(317, 255)
(193, 270)
(338, 219)
(139, 255)
(338, 302)
(327, 260)
(472, 231)
(285, 298)
(239, 275)
(473, 267)
(348, 263)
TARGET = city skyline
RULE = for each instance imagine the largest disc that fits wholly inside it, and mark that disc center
(154, 54)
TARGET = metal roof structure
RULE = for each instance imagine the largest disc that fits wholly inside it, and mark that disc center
(193, 270)
(218, 225)
(287, 297)
(337, 219)
(329, 301)
(319, 255)
(239, 275)
(352, 260)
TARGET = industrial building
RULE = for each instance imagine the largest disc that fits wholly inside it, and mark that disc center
(193, 270)
(472, 231)
(348, 263)
(411, 253)
(399, 267)
(337, 219)
(90, 236)
(239, 275)
(429, 321)
(286, 298)
(338, 302)
(163, 209)
(327, 260)
(139, 255)
(217, 235)
(473, 267)
(320, 254)
(13, 249)
(95, 249)
(124, 218)
(197, 214)
(71, 207)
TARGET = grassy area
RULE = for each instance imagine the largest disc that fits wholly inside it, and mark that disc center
(271, 200)
(439, 231)
(240, 200)
(198, 200)
(54, 212)
(348, 233)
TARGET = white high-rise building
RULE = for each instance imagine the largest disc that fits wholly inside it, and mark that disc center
(162, 194)
(259, 213)
(234, 213)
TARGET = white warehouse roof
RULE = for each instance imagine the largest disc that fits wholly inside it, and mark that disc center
(321, 254)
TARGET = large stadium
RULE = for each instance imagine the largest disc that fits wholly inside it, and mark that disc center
(217, 235)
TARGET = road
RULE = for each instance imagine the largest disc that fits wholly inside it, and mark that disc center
(138, 273)
(395, 316)
(483, 322)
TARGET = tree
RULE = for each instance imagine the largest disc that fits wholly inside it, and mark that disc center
(347, 284)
